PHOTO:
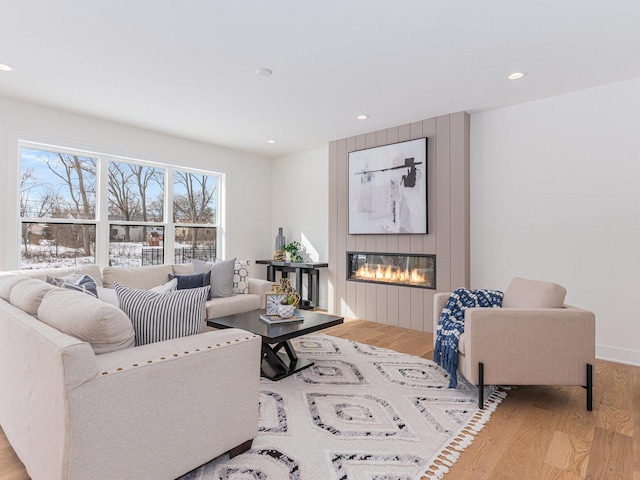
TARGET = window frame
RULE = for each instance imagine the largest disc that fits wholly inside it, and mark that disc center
(101, 221)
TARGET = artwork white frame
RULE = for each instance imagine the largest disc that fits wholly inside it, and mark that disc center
(388, 189)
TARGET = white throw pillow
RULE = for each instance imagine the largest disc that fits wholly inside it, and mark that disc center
(165, 287)
(163, 316)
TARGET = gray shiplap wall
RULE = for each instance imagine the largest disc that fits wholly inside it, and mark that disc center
(448, 237)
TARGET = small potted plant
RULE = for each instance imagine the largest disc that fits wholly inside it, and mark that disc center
(292, 251)
(288, 306)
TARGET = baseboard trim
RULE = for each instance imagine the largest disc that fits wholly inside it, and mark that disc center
(618, 355)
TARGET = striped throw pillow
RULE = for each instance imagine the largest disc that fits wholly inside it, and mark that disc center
(163, 316)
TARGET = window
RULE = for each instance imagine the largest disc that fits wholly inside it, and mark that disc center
(57, 208)
(195, 200)
(66, 221)
(136, 194)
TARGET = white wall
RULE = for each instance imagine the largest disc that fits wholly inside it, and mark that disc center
(555, 195)
(300, 200)
(247, 177)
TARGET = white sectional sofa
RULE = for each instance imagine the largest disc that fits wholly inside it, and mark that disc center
(155, 411)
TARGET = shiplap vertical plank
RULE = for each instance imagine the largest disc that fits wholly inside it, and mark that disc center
(380, 140)
(415, 130)
(370, 312)
(334, 235)
(361, 246)
(404, 307)
(341, 222)
(393, 305)
(460, 186)
(392, 292)
(417, 308)
(443, 235)
(429, 240)
(351, 239)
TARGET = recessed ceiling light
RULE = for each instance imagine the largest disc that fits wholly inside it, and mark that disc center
(516, 75)
(271, 141)
(264, 72)
(362, 117)
(6, 68)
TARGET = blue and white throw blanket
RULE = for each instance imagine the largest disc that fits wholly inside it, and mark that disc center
(451, 326)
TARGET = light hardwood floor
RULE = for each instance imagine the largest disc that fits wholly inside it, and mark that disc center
(537, 433)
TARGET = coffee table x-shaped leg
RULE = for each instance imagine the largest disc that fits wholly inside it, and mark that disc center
(277, 365)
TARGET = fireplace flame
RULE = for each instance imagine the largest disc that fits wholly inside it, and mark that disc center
(390, 274)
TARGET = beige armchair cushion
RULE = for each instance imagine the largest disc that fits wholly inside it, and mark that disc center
(523, 293)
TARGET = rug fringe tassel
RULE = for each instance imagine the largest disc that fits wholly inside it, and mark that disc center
(441, 462)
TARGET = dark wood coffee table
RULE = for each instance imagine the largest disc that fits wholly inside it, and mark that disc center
(276, 364)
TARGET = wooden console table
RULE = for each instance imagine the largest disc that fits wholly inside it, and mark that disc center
(311, 269)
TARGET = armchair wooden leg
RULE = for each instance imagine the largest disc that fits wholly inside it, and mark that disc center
(481, 386)
(589, 387)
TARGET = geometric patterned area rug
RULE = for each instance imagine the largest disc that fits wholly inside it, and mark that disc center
(359, 413)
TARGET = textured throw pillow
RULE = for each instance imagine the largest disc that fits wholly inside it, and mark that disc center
(192, 281)
(167, 287)
(78, 281)
(221, 276)
(162, 316)
(241, 276)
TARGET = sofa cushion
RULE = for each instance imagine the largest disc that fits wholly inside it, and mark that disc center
(7, 282)
(143, 278)
(221, 276)
(193, 281)
(221, 307)
(28, 294)
(105, 327)
(241, 276)
(77, 281)
(163, 316)
(523, 293)
(41, 274)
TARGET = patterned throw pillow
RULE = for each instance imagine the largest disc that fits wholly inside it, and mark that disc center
(163, 316)
(76, 281)
(241, 276)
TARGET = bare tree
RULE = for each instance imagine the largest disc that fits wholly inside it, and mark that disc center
(194, 206)
(144, 177)
(42, 204)
(122, 200)
(79, 177)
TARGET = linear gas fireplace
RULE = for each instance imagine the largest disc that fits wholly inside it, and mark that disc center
(404, 269)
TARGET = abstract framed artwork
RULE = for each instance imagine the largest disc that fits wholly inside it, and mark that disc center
(388, 189)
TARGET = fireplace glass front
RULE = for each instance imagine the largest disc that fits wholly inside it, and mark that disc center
(409, 270)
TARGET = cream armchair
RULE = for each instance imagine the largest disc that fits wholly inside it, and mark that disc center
(534, 339)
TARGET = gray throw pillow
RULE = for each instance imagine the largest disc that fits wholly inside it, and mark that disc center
(221, 275)
(163, 316)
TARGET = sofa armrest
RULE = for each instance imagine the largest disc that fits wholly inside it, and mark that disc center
(259, 287)
(202, 389)
(523, 343)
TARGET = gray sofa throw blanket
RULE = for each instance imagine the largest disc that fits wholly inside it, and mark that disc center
(451, 326)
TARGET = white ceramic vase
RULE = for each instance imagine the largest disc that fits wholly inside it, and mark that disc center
(286, 311)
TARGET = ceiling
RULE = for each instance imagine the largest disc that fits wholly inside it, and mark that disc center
(188, 68)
